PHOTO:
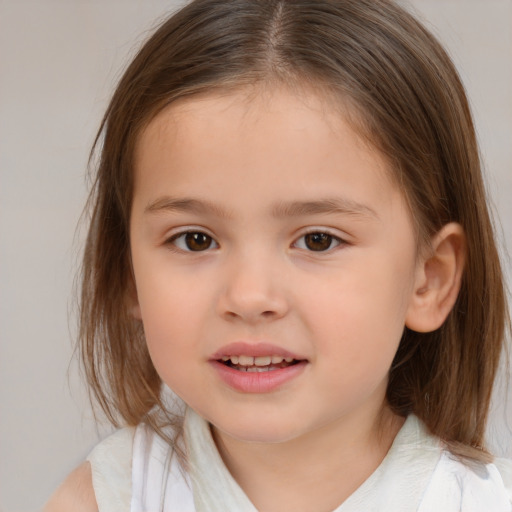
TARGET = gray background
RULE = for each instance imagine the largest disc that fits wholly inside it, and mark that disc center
(59, 60)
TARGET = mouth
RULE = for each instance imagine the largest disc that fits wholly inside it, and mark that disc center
(257, 364)
(257, 367)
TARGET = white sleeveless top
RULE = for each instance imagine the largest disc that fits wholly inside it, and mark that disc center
(135, 470)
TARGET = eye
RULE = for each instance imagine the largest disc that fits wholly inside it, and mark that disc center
(193, 241)
(318, 241)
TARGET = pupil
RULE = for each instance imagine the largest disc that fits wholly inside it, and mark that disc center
(318, 241)
(198, 241)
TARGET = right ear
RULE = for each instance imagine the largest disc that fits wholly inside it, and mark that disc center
(132, 298)
(135, 311)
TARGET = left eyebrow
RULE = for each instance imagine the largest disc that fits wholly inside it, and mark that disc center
(335, 205)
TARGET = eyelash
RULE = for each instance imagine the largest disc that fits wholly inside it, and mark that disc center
(173, 241)
(183, 235)
(327, 235)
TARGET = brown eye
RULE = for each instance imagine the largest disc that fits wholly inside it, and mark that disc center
(194, 241)
(318, 242)
(198, 241)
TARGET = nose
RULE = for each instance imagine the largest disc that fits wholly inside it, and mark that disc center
(253, 291)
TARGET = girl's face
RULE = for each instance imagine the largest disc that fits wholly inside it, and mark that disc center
(274, 263)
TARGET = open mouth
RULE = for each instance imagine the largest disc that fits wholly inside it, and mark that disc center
(265, 371)
(258, 364)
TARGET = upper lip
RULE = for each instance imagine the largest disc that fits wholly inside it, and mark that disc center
(242, 348)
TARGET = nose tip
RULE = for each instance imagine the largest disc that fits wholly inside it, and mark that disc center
(253, 295)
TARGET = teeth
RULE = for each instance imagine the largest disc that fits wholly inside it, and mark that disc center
(258, 369)
(262, 361)
(244, 360)
(259, 362)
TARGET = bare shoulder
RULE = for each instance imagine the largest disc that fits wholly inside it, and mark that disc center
(75, 493)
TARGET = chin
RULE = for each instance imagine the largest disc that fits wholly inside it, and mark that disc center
(251, 431)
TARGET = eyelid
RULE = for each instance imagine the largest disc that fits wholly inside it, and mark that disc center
(342, 241)
(183, 230)
(170, 239)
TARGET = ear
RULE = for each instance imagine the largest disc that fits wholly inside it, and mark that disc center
(132, 299)
(135, 311)
(438, 279)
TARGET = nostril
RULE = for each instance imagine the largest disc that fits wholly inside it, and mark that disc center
(267, 314)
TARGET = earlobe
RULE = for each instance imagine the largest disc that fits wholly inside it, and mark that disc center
(133, 304)
(438, 280)
(135, 311)
(132, 299)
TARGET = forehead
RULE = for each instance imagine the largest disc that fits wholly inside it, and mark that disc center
(253, 137)
(308, 108)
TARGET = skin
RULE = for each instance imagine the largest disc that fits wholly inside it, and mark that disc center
(343, 309)
(76, 493)
(244, 159)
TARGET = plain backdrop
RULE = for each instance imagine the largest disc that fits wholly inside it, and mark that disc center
(59, 60)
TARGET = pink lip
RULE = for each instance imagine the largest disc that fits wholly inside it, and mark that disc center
(241, 348)
(256, 382)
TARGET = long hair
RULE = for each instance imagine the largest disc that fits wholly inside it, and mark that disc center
(411, 106)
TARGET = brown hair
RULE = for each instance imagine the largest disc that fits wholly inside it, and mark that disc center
(411, 106)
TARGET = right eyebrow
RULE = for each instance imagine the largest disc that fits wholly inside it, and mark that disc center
(185, 204)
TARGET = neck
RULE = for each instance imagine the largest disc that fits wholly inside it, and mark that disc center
(272, 474)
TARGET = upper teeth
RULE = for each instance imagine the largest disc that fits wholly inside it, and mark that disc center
(257, 361)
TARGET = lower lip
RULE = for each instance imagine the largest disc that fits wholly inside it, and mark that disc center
(258, 382)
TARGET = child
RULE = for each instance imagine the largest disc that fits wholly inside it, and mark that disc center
(289, 230)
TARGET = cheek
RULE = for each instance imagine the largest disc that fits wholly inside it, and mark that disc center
(357, 331)
(172, 331)
(172, 313)
(364, 312)
(170, 300)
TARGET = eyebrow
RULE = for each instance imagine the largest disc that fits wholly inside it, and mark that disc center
(185, 204)
(335, 205)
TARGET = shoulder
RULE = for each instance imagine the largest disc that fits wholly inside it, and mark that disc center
(114, 450)
(75, 493)
(111, 470)
(504, 467)
(103, 482)
(469, 487)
